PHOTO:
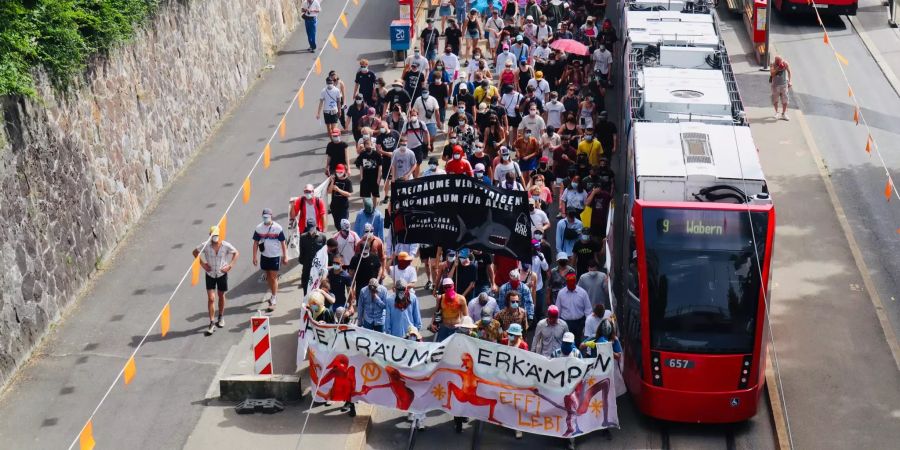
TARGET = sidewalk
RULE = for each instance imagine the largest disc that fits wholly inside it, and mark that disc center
(836, 369)
(871, 23)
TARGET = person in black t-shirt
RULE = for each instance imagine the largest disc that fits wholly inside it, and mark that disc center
(607, 133)
(369, 163)
(364, 268)
(467, 274)
(335, 153)
(453, 36)
(396, 96)
(429, 40)
(585, 250)
(356, 112)
(484, 271)
(365, 83)
(460, 111)
(386, 142)
(414, 81)
(340, 189)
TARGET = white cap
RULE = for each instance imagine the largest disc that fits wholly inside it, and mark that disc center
(514, 273)
(446, 281)
(568, 337)
(561, 255)
(529, 18)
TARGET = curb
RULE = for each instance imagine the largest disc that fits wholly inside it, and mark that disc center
(782, 440)
(876, 54)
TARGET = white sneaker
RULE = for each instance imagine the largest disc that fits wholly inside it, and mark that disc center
(211, 329)
(518, 434)
(777, 116)
(785, 117)
(221, 322)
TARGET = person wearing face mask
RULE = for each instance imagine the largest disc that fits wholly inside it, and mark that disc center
(463, 95)
(340, 187)
(368, 215)
(515, 284)
(270, 252)
(494, 134)
(528, 149)
(540, 86)
(567, 348)
(364, 83)
(414, 80)
(429, 39)
(460, 114)
(373, 302)
(539, 219)
(404, 271)
(339, 281)
(549, 332)
(513, 313)
(415, 58)
(503, 58)
(574, 305)
(356, 112)
(568, 229)
(217, 258)
(308, 207)
(452, 308)
(402, 311)
(429, 109)
(586, 250)
(336, 152)
(591, 147)
(542, 179)
(367, 263)
(450, 60)
(330, 101)
(452, 141)
(370, 164)
(504, 165)
(310, 242)
(488, 329)
(458, 163)
(315, 304)
(553, 111)
(514, 338)
(596, 283)
(480, 157)
(480, 175)
(433, 168)
(453, 36)
(480, 302)
(573, 197)
(467, 136)
(346, 240)
(397, 100)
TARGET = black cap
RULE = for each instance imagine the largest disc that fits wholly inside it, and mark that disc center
(433, 160)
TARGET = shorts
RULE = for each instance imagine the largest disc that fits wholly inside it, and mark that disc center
(432, 129)
(217, 284)
(779, 93)
(420, 153)
(472, 34)
(444, 11)
(369, 188)
(331, 118)
(427, 252)
(528, 164)
(514, 121)
(270, 264)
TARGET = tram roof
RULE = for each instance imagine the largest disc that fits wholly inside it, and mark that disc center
(671, 28)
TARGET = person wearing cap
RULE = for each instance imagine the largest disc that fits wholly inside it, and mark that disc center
(587, 249)
(346, 240)
(372, 305)
(415, 58)
(402, 311)
(356, 112)
(574, 305)
(310, 12)
(458, 163)
(397, 99)
(505, 167)
(270, 252)
(463, 96)
(371, 216)
(567, 348)
(452, 310)
(487, 328)
(404, 271)
(557, 280)
(329, 102)
(482, 301)
(514, 337)
(307, 207)
(340, 187)
(336, 152)
(429, 111)
(428, 39)
(541, 86)
(530, 29)
(513, 312)
(217, 258)
(516, 284)
(311, 241)
(549, 332)
(520, 49)
(505, 56)
(433, 167)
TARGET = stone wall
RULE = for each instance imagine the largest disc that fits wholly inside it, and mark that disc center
(77, 169)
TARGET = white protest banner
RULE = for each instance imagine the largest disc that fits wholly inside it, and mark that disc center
(464, 376)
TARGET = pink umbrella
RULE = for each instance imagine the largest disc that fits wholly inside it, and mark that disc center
(570, 46)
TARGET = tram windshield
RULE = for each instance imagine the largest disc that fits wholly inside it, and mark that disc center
(703, 276)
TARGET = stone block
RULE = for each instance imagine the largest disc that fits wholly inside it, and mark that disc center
(285, 388)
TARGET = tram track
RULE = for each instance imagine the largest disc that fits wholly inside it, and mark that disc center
(686, 436)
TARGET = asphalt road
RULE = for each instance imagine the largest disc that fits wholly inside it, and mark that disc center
(54, 393)
(821, 92)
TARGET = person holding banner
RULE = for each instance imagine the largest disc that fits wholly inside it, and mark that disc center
(309, 207)
(311, 241)
(549, 333)
(452, 308)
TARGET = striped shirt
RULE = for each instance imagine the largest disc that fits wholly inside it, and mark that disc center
(216, 259)
(272, 236)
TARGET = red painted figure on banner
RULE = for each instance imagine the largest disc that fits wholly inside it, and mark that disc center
(578, 402)
(397, 383)
(343, 386)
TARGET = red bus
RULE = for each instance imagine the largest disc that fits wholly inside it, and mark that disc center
(696, 229)
(825, 7)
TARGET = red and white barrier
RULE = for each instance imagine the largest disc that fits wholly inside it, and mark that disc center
(262, 346)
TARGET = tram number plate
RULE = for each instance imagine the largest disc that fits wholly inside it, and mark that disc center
(679, 363)
(820, 6)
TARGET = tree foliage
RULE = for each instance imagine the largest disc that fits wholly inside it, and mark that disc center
(60, 36)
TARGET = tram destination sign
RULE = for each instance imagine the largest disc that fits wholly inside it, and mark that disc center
(697, 223)
(456, 211)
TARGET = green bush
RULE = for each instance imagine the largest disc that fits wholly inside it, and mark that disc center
(60, 36)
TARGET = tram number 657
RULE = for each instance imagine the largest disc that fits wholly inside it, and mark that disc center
(679, 363)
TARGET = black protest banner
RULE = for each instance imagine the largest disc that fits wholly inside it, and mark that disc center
(456, 211)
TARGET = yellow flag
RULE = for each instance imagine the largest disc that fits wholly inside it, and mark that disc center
(344, 20)
(86, 438)
(223, 227)
(130, 369)
(247, 190)
(195, 271)
(888, 188)
(282, 127)
(841, 58)
(333, 41)
(165, 320)
(318, 67)
(300, 100)
(267, 156)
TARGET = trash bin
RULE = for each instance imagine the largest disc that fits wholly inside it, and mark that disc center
(400, 38)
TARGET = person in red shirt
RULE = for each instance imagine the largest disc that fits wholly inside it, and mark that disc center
(502, 266)
(514, 337)
(306, 204)
(459, 164)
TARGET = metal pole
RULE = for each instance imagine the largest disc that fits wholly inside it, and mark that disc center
(892, 14)
(766, 57)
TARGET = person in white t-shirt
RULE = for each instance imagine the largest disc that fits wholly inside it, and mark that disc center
(217, 257)
(541, 86)
(329, 103)
(404, 270)
(541, 53)
(451, 62)
(539, 219)
(602, 60)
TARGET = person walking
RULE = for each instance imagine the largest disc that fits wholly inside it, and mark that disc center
(340, 187)
(311, 241)
(217, 257)
(372, 306)
(309, 207)
(574, 305)
(346, 240)
(780, 77)
(270, 252)
(452, 308)
(402, 311)
(329, 102)
(548, 333)
(513, 313)
(310, 11)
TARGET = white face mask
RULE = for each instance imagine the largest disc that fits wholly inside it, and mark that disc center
(308, 195)
(505, 157)
(359, 102)
(433, 167)
(457, 156)
(215, 239)
(383, 130)
(532, 114)
(453, 140)
(335, 139)
(364, 69)
(461, 110)
(424, 96)
(267, 219)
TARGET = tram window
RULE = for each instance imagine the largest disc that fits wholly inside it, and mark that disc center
(634, 284)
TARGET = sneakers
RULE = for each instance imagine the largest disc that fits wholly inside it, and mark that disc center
(785, 117)
(428, 285)
(518, 434)
(350, 409)
(211, 329)
(777, 116)
(221, 322)
(272, 302)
